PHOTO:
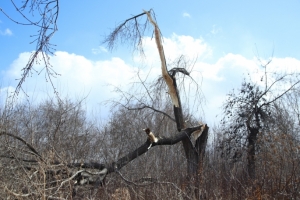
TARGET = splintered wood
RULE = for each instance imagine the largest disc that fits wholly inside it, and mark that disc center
(165, 74)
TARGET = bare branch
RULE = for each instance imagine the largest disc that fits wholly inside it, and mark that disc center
(282, 94)
(147, 90)
(24, 142)
(48, 11)
(129, 30)
(94, 173)
(150, 107)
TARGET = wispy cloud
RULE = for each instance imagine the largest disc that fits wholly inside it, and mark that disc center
(99, 50)
(185, 14)
(215, 30)
(6, 32)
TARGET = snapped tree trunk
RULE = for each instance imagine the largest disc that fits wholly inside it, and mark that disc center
(194, 154)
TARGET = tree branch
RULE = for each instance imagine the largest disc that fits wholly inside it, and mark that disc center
(83, 176)
(47, 12)
(149, 107)
(144, 148)
(24, 142)
(279, 96)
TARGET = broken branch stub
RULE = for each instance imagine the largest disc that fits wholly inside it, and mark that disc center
(196, 134)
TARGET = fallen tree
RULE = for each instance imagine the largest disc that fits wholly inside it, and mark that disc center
(50, 176)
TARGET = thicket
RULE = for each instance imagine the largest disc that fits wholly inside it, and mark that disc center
(52, 150)
(61, 133)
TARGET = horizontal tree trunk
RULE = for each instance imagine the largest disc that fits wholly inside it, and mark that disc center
(94, 172)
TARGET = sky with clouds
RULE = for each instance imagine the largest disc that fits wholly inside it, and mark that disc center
(226, 37)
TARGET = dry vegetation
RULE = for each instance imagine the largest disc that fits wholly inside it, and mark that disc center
(52, 150)
(62, 134)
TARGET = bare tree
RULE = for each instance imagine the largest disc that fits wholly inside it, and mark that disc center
(132, 30)
(250, 111)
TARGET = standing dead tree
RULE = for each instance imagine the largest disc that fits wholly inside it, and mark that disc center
(132, 30)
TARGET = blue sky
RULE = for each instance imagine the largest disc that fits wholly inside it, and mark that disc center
(226, 36)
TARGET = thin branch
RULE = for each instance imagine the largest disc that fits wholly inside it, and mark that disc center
(174, 70)
(278, 97)
(150, 107)
(23, 160)
(24, 142)
(134, 33)
(132, 182)
(48, 11)
(30, 22)
(69, 179)
(16, 194)
(143, 83)
(269, 88)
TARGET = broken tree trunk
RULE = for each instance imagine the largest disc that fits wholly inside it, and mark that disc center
(95, 173)
(194, 154)
(60, 175)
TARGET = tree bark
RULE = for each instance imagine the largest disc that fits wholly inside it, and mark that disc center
(186, 133)
(252, 138)
(195, 155)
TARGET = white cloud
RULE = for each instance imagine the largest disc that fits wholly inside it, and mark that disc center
(228, 73)
(176, 46)
(99, 50)
(215, 30)
(185, 14)
(218, 79)
(78, 73)
(7, 32)
(285, 65)
(81, 76)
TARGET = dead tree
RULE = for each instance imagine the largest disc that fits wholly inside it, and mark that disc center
(50, 178)
(59, 175)
(249, 112)
(132, 30)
